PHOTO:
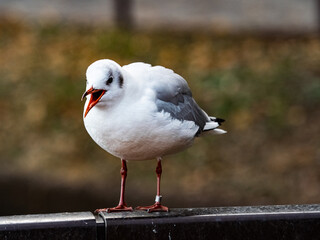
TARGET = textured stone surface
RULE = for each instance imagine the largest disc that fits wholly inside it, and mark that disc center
(66, 226)
(256, 222)
(252, 222)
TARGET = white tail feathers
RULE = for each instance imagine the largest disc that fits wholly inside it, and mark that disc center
(218, 131)
(210, 126)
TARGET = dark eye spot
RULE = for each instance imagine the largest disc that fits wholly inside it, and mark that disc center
(109, 81)
(120, 81)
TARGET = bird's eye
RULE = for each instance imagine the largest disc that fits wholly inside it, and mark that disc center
(109, 81)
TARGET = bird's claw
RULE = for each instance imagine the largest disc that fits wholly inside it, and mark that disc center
(157, 207)
(119, 208)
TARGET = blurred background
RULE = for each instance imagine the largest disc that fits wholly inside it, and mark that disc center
(253, 63)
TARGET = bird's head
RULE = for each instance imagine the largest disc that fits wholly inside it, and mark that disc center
(104, 84)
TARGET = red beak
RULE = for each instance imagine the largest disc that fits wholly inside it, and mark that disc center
(96, 95)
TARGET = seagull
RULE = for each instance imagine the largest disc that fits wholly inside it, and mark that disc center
(141, 112)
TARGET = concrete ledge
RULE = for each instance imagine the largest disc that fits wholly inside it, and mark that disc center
(253, 222)
(78, 225)
(260, 222)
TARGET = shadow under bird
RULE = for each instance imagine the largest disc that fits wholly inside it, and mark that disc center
(141, 112)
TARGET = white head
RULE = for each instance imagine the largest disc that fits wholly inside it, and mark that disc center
(104, 84)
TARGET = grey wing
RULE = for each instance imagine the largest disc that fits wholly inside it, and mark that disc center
(174, 96)
(184, 107)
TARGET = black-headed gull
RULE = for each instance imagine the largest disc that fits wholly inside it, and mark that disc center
(140, 112)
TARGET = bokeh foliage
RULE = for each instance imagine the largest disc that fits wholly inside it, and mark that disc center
(266, 87)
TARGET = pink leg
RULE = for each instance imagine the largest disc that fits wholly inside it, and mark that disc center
(122, 206)
(156, 207)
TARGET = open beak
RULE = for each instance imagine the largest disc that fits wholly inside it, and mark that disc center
(96, 95)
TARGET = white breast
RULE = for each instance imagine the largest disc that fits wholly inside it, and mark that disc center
(136, 131)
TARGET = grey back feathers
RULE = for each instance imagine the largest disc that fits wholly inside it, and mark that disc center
(173, 95)
(183, 107)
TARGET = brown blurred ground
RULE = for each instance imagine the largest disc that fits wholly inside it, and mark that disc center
(267, 88)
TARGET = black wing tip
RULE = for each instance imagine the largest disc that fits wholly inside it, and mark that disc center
(218, 120)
